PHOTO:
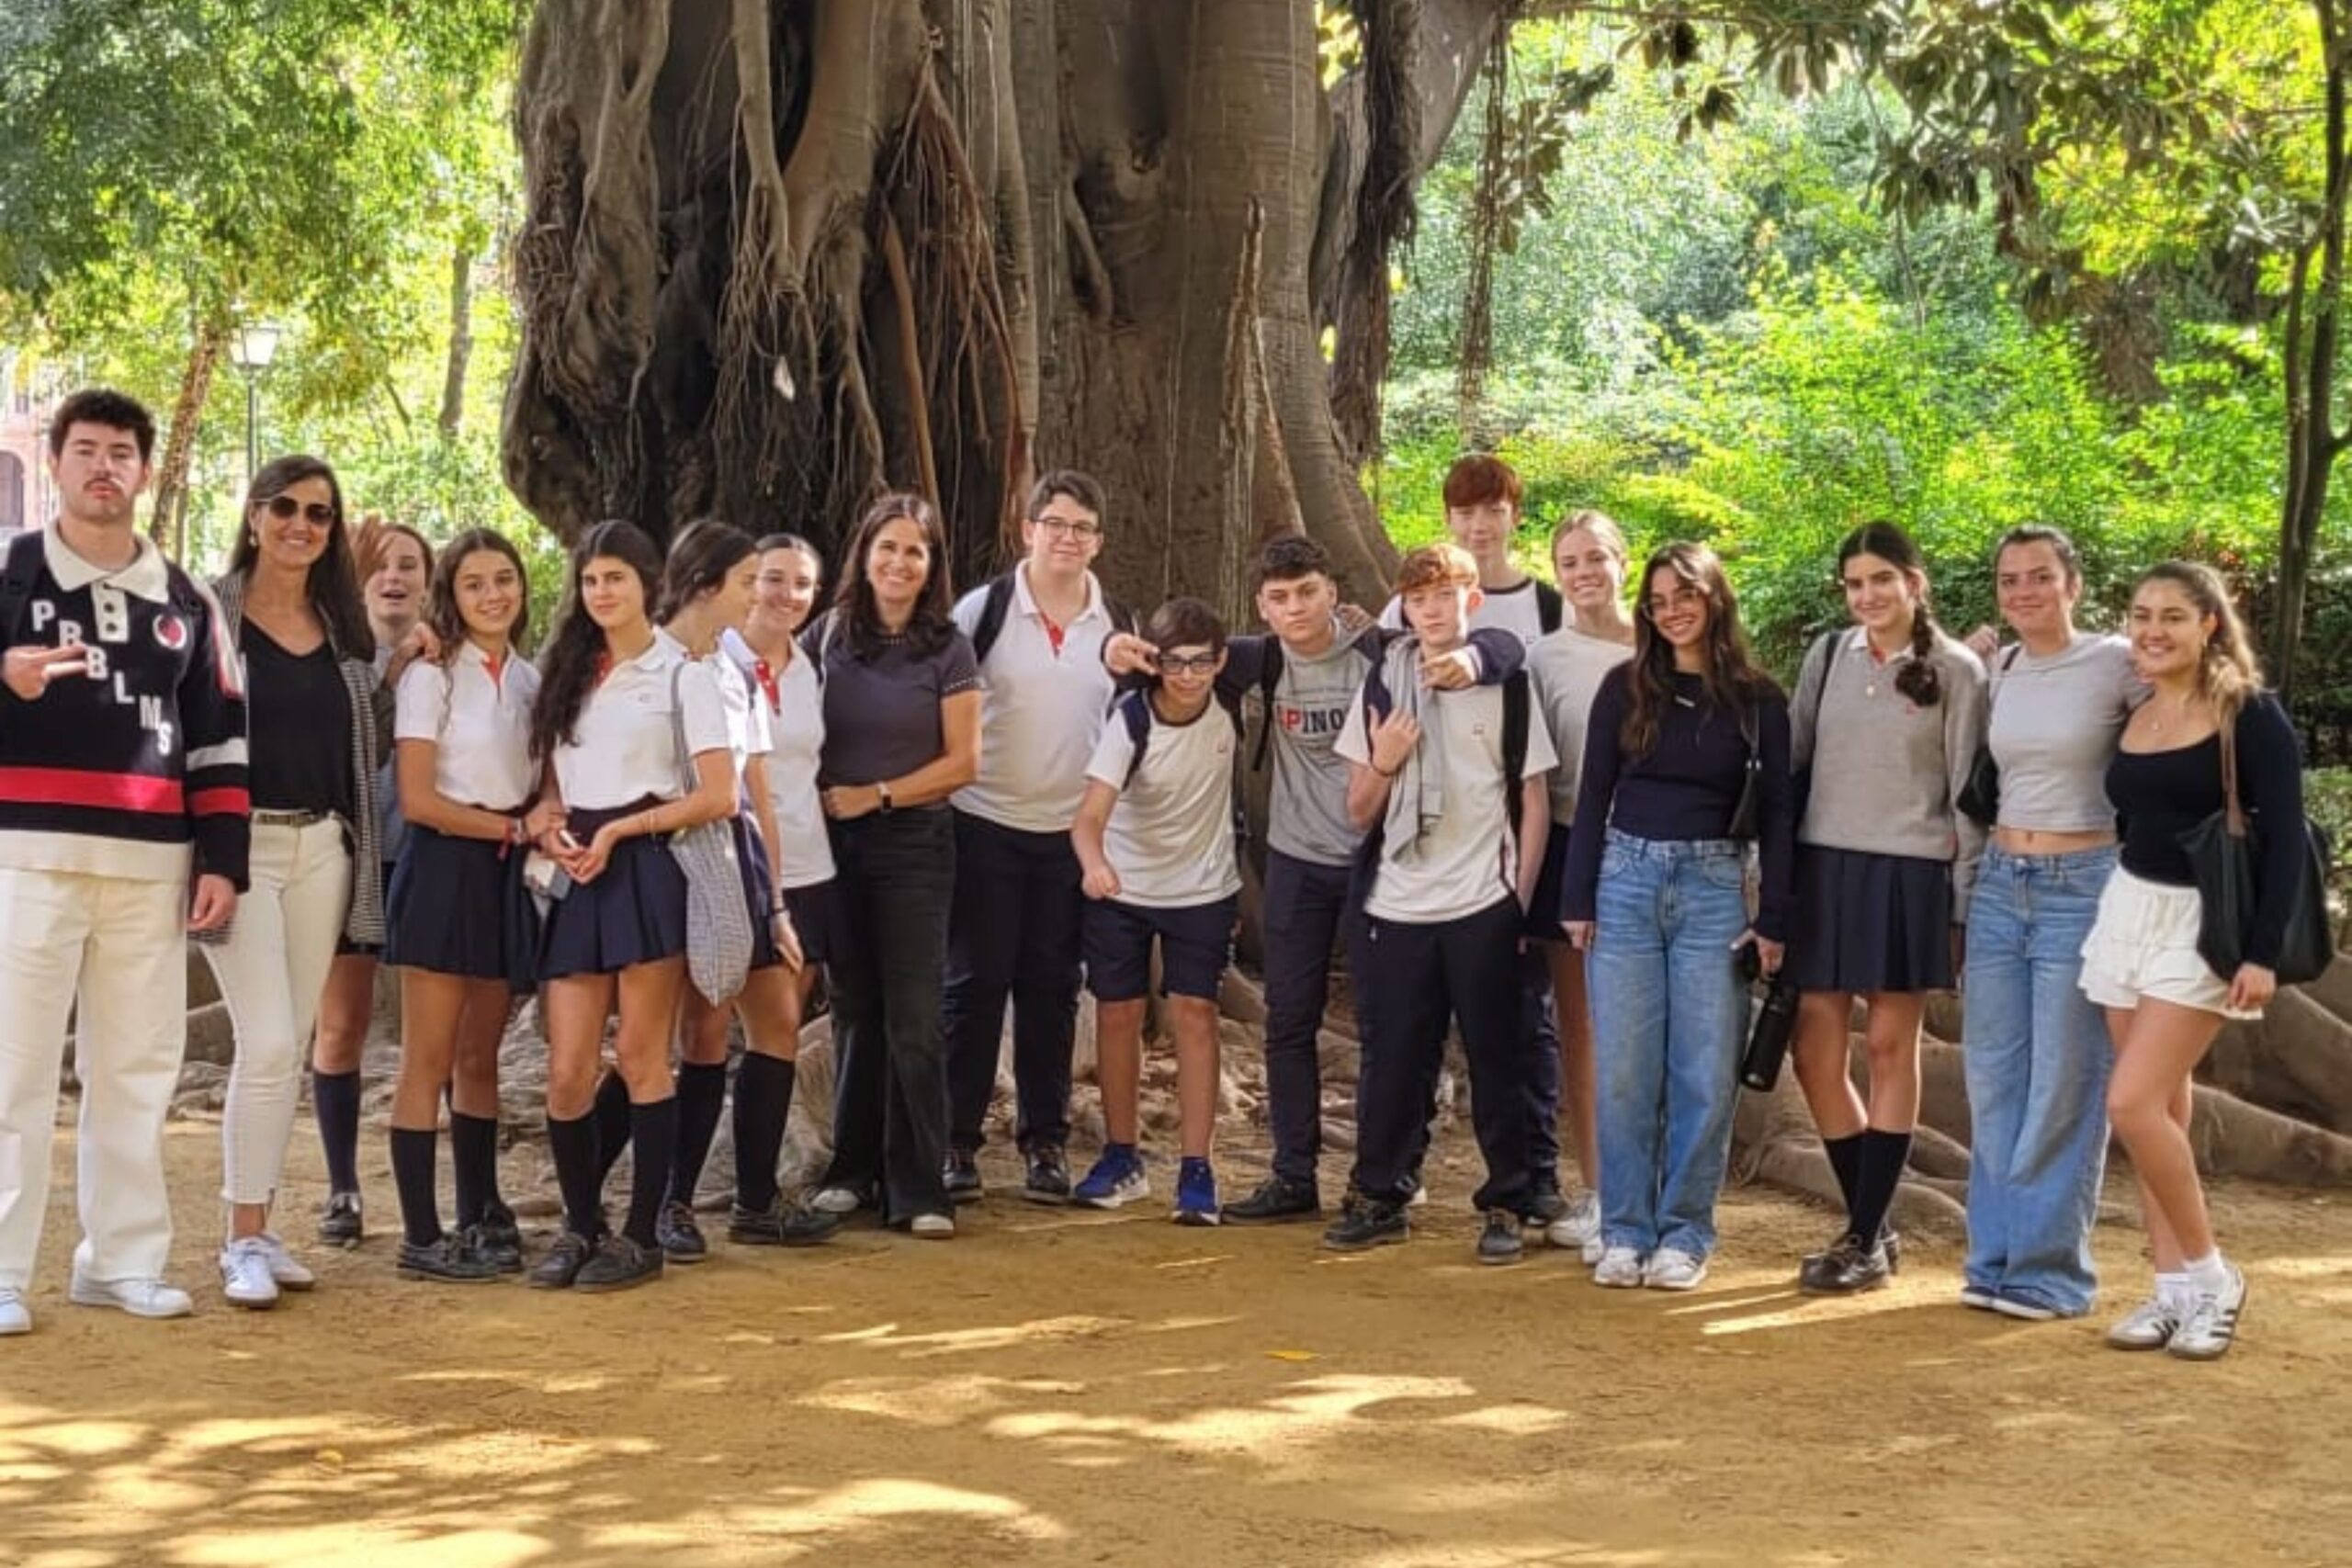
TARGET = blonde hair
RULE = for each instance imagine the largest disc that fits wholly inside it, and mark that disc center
(1436, 566)
(1599, 525)
(2231, 671)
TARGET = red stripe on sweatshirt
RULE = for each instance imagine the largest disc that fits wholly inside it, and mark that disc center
(72, 786)
(220, 801)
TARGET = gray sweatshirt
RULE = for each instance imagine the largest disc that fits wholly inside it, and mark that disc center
(1886, 771)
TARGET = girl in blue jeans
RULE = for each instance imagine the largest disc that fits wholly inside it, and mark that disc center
(2036, 1048)
(1654, 895)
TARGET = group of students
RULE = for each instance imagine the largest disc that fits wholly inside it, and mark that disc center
(1566, 832)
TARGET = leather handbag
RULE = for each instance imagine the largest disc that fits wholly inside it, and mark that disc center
(2225, 852)
(1980, 797)
(1743, 812)
(718, 912)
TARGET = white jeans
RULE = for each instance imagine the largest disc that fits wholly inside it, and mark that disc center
(271, 971)
(127, 938)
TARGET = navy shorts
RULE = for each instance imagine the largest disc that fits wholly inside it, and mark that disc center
(813, 915)
(1195, 943)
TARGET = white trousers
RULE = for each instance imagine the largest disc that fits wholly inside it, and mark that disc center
(271, 971)
(128, 939)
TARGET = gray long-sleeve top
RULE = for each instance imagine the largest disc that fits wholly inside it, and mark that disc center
(1885, 770)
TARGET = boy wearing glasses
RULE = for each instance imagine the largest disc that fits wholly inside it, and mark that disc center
(1038, 632)
(1154, 836)
(1449, 787)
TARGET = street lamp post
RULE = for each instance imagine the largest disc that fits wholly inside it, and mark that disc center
(251, 348)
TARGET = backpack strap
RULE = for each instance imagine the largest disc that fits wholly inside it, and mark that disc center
(1269, 675)
(994, 608)
(1515, 701)
(18, 579)
(1135, 712)
(1550, 610)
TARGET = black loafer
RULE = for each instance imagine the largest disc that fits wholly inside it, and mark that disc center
(621, 1262)
(562, 1266)
(962, 1177)
(339, 1221)
(503, 1250)
(1847, 1269)
(1048, 1180)
(678, 1236)
(447, 1258)
(1277, 1199)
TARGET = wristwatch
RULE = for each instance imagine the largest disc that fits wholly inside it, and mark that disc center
(882, 794)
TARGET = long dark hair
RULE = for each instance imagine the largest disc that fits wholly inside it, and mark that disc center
(1918, 678)
(333, 586)
(930, 627)
(441, 595)
(701, 556)
(568, 664)
(1733, 680)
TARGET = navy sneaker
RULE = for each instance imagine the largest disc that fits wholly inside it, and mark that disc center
(1196, 1194)
(1117, 1179)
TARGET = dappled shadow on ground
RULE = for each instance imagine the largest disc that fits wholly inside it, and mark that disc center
(1054, 1389)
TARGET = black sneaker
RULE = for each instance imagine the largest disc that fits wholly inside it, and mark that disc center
(563, 1262)
(1845, 1269)
(1366, 1222)
(1499, 1241)
(1277, 1198)
(339, 1223)
(620, 1263)
(1543, 1205)
(679, 1237)
(1048, 1180)
(447, 1258)
(962, 1175)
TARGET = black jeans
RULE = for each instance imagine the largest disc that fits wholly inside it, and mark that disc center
(1306, 911)
(1014, 934)
(1414, 979)
(1545, 1077)
(896, 874)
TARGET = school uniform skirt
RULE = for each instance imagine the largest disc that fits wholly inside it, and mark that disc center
(634, 912)
(759, 892)
(1870, 922)
(459, 906)
(814, 911)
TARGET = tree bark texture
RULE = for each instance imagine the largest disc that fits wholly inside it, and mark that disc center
(168, 522)
(780, 255)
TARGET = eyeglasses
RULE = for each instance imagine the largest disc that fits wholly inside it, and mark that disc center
(1188, 663)
(1075, 528)
(1683, 599)
(285, 508)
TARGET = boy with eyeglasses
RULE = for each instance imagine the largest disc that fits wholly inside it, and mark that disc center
(1038, 632)
(1155, 837)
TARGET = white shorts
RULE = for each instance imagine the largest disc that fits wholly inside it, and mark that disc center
(2144, 944)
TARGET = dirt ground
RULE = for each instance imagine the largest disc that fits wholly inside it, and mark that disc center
(1062, 1388)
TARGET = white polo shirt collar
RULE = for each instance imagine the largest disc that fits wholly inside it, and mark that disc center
(1026, 603)
(145, 577)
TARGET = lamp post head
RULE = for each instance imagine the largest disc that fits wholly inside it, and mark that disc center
(253, 345)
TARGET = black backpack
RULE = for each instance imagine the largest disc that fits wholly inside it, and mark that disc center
(998, 605)
(1517, 699)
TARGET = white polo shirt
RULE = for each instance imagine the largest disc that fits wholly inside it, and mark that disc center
(623, 746)
(747, 732)
(1465, 860)
(1170, 836)
(796, 710)
(1041, 710)
(1511, 609)
(477, 717)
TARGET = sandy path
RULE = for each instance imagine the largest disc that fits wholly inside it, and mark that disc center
(1054, 1389)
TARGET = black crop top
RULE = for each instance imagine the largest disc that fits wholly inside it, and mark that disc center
(2160, 795)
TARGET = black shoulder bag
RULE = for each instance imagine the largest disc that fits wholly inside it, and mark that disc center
(2225, 852)
(1980, 797)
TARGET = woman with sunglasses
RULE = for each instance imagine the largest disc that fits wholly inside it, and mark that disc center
(290, 603)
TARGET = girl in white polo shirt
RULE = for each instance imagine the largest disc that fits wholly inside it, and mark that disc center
(1155, 841)
(459, 926)
(614, 696)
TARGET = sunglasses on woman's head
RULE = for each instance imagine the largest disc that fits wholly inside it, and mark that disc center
(285, 508)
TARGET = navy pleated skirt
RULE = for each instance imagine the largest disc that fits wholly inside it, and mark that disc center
(635, 912)
(1869, 922)
(459, 906)
(759, 890)
(813, 914)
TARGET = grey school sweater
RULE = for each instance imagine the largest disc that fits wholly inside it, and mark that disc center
(1886, 771)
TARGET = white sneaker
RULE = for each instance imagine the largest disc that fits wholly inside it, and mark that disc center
(2211, 1324)
(245, 1276)
(1620, 1268)
(2148, 1326)
(1671, 1268)
(140, 1298)
(835, 1200)
(1420, 1198)
(289, 1272)
(14, 1318)
(931, 1227)
(1580, 1226)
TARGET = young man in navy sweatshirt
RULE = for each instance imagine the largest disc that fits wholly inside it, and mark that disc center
(123, 825)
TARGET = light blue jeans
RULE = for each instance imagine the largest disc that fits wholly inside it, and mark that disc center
(1668, 1012)
(2038, 1057)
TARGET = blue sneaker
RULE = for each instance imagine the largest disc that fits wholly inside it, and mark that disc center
(1117, 1179)
(1196, 1194)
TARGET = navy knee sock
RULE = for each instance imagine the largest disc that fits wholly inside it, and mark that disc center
(335, 1096)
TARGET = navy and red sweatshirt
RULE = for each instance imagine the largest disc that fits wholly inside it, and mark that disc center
(117, 771)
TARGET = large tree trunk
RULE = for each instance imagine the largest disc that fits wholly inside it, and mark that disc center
(783, 254)
(461, 342)
(167, 524)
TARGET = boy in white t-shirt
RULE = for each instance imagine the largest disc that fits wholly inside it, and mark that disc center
(1450, 786)
(1154, 837)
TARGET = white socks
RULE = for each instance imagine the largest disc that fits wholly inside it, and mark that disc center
(2206, 1275)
